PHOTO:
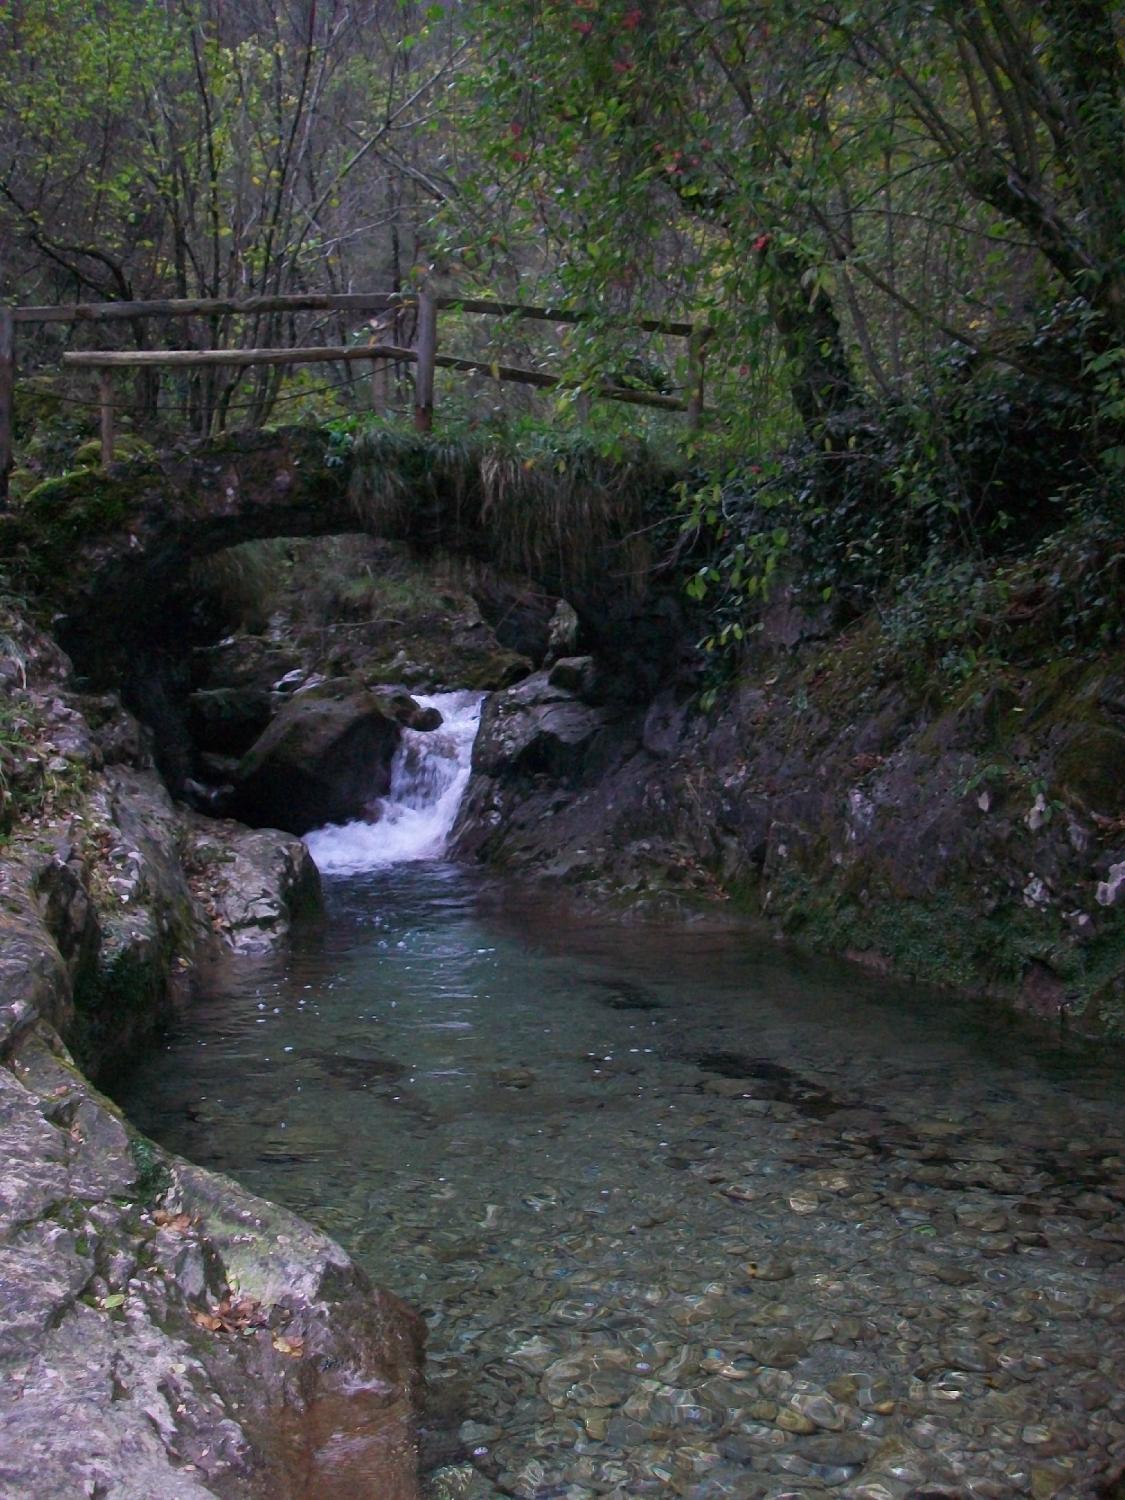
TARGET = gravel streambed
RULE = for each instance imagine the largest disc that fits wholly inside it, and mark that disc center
(686, 1215)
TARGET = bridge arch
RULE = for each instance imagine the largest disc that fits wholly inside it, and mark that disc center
(106, 549)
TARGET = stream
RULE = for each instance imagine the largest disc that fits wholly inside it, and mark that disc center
(686, 1213)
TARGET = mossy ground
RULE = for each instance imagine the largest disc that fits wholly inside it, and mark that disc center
(948, 941)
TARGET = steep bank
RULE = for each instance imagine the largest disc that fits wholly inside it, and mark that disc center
(964, 825)
(163, 1331)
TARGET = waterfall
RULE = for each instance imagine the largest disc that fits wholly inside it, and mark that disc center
(428, 778)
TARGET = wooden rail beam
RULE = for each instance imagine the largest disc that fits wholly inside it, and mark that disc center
(541, 378)
(99, 359)
(107, 312)
(561, 315)
(196, 307)
(179, 358)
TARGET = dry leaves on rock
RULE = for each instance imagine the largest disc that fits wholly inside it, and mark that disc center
(232, 1316)
(176, 1223)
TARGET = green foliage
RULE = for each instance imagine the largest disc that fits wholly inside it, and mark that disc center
(783, 169)
(923, 509)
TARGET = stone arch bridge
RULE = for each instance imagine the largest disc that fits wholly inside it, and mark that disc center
(107, 549)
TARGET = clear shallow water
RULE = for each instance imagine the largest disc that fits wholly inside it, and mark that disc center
(686, 1215)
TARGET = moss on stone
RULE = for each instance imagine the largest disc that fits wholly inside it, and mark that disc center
(77, 503)
(59, 515)
(947, 940)
(152, 1174)
(88, 455)
(21, 482)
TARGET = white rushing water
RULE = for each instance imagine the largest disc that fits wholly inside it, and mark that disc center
(428, 778)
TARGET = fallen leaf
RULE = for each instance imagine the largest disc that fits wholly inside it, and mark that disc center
(178, 1223)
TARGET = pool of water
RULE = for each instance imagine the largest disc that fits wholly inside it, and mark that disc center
(686, 1214)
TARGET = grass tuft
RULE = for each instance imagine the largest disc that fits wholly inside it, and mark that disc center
(545, 505)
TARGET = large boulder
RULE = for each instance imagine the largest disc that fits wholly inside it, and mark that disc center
(324, 759)
(163, 1332)
(252, 884)
(537, 728)
(540, 748)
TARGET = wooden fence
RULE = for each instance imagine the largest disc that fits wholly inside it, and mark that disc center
(424, 354)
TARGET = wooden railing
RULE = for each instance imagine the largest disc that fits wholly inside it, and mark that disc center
(424, 353)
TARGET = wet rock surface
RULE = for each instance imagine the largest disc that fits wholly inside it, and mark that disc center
(541, 750)
(252, 883)
(162, 1332)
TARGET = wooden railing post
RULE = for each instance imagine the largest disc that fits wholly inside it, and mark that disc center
(7, 391)
(105, 402)
(696, 352)
(380, 387)
(425, 343)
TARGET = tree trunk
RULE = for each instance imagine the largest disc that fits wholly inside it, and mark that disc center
(823, 383)
(1089, 69)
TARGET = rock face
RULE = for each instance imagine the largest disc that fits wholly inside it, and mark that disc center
(539, 751)
(254, 882)
(162, 1332)
(323, 759)
(969, 839)
(539, 729)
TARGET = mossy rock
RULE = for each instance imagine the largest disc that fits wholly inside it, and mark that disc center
(59, 515)
(1090, 769)
(89, 455)
(76, 503)
(21, 482)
